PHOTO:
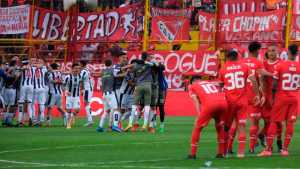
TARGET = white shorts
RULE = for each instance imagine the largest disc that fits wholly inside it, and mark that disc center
(109, 101)
(26, 94)
(127, 101)
(87, 96)
(39, 96)
(117, 94)
(10, 96)
(54, 100)
(72, 103)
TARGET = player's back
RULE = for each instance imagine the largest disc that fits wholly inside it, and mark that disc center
(234, 75)
(208, 92)
(288, 75)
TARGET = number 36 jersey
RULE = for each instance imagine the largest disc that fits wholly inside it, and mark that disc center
(234, 75)
(208, 92)
(288, 75)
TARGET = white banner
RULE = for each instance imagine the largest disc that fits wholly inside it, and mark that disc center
(14, 20)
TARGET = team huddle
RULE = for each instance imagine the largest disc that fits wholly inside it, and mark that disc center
(127, 88)
(248, 89)
(31, 82)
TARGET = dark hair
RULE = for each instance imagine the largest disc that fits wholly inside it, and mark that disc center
(266, 55)
(74, 65)
(54, 66)
(254, 46)
(293, 49)
(107, 62)
(144, 56)
(194, 78)
(232, 55)
(12, 63)
(83, 62)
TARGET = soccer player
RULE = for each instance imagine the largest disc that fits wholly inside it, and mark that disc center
(85, 75)
(143, 76)
(270, 63)
(55, 78)
(285, 91)
(26, 91)
(109, 99)
(163, 86)
(210, 103)
(119, 75)
(40, 90)
(254, 111)
(72, 84)
(234, 76)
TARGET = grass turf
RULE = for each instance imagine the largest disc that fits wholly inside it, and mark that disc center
(84, 148)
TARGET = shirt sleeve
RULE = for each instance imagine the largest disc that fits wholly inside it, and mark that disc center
(191, 91)
(276, 71)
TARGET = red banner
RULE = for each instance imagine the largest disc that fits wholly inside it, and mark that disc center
(170, 28)
(171, 12)
(295, 25)
(206, 25)
(178, 63)
(228, 7)
(248, 26)
(121, 24)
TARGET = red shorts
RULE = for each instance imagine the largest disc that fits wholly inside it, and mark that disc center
(215, 110)
(254, 112)
(284, 109)
(236, 111)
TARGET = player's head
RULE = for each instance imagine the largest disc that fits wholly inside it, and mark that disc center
(254, 48)
(195, 79)
(108, 63)
(272, 52)
(54, 66)
(292, 51)
(83, 63)
(123, 58)
(33, 61)
(75, 68)
(232, 55)
(144, 56)
(25, 61)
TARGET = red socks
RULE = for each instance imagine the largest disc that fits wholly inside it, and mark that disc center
(231, 136)
(270, 135)
(253, 137)
(195, 139)
(221, 139)
(242, 140)
(288, 135)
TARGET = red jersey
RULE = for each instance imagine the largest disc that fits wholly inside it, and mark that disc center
(288, 75)
(270, 67)
(254, 64)
(207, 91)
(234, 75)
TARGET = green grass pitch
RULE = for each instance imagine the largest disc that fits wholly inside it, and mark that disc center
(84, 148)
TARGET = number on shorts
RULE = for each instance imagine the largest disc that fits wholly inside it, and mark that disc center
(291, 81)
(235, 80)
(209, 88)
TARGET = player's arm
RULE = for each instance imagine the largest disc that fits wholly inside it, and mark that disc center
(262, 89)
(255, 88)
(196, 102)
(264, 72)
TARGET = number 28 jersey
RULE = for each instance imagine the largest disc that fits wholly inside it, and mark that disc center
(234, 75)
(207, 91)
(288, 75)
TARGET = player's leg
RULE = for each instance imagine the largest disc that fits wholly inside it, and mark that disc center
(279, 131)
(137, 96)
(29, 103)
(290, 123)
(147, 101)
(87, 99)
(153, 104)
(21, 107)
(231, 136)
(254, 127)
(116, 113)
(41, 99)
(69, 105)
(241, 127)
(161, 107)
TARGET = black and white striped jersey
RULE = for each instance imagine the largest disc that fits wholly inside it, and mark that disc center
(72, 85)
(39, 79)
(27, 76)
(125, 87)
(55, 88)
(85, 75)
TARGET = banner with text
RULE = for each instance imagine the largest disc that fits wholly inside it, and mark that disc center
(14, 20)
(171, 12)
(264, 27)
(169, 28)
(121, 24)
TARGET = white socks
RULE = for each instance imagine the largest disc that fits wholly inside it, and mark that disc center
(89, 113)
(102, 119)
(146, 115)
